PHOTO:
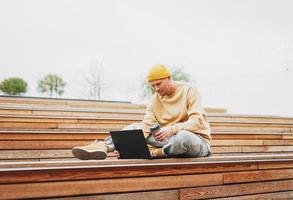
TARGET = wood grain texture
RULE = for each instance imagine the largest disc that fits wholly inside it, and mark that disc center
(267, 196)
(235, 135)
(248, 149)
(154, 195)
(83, 187)
(236, 189)
(21, 125)
(63, 172)
(275, 165)
(41, 144)
(29, 154)
(256, 176)
(51, 135)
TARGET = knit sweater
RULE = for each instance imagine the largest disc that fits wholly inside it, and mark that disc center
(182, 110)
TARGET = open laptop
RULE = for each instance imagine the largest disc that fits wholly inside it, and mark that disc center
(131, 144)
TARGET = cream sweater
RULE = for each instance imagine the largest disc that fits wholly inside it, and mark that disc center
(182, 111)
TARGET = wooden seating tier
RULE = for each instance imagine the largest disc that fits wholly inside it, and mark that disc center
(252, 156)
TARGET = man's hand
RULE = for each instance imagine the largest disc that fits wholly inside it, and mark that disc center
(164, 134)
(117, 154)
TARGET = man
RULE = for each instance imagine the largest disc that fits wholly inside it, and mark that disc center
(177, 108)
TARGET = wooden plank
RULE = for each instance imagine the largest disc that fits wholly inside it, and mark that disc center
(267, 196)
(236, 189)
(80, 134)
(139, 115)
(246, 136)
(288, 136)
(96, 124)
(30, 154)
(52, 136)
(154, 195)
(46, 171)
(49, 154)
(15, 112)
(59, 153)
(53, 109)
(64, 117)
(242, 149)
(28, 101)
(267, 148)
(21, 125)
(226, 149)
(277, 142)
(52, 144)
(275, 165)
(102, 186)
(70, 102)
(256, 128)
(85, 114)
(256, 176)
(232, 142)
(17, 161)
(251, 123)
(92, 126)
(85, 103)
(215, 110)
(60, 143)
(196, 165)
(251, 118)
(35, 119)
(107, 121)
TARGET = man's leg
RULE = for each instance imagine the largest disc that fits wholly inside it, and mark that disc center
(96, 150)
(186, 144)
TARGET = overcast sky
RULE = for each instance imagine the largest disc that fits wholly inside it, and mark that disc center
(239, 52)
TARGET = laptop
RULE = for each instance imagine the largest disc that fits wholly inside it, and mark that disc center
(131, 144)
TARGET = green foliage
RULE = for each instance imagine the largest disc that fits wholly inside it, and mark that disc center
(52, 84)
(178, 74)
(13, 86)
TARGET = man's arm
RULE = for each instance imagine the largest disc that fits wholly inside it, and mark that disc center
(149, 119)
(197, 119)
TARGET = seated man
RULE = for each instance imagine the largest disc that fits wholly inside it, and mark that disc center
(177, 108)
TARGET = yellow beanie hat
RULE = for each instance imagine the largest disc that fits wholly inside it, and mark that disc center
(158, 72)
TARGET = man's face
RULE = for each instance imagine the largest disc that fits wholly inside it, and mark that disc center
(161, 86)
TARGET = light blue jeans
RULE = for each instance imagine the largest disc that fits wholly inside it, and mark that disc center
(183, 144)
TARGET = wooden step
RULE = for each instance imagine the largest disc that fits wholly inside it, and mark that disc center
(191, 178)
(4, 100)
(115, 123)
(68, 102)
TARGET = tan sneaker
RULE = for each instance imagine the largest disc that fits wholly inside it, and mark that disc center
(97, 150)
(157, 152)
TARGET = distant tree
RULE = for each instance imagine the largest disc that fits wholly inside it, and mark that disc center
(287, 55)
(178, 74)
(13, 86)
(94, 81)
(52, 84)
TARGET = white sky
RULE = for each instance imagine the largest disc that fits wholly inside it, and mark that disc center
(240, 52)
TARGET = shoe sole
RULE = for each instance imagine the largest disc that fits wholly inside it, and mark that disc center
(83, 154)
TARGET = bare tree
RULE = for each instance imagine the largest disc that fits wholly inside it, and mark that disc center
(287, 62)
(94, 81)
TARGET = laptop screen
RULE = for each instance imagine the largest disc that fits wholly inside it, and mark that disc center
(131, 144)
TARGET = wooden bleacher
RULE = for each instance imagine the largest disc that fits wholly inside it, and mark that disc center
(252, 155)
